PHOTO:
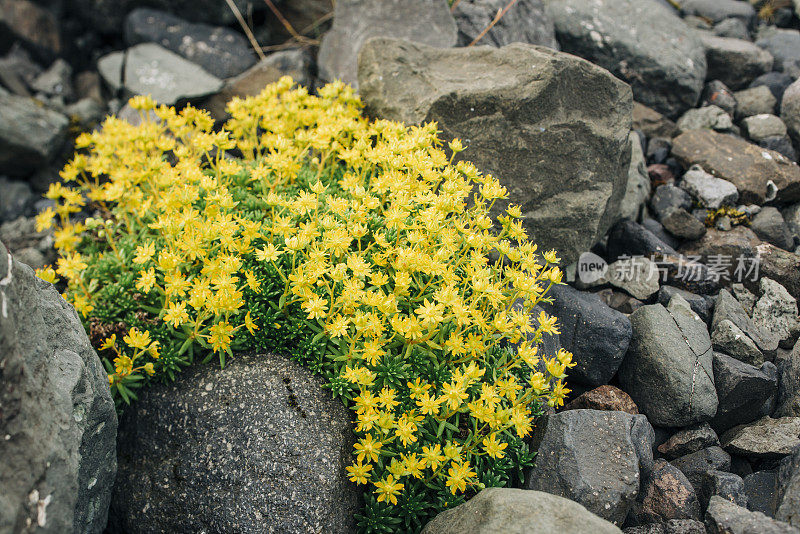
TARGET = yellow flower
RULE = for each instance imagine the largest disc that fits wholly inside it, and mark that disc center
(146, 281)
(109, 342)
(144, 253)
(148, 368)
(492, 447)
(268, 253)
(45, 219)
(220, 337)
(459, 475)
(387, 489)
(137, 339)
(368, 448)
(433, 456)
(176, 314)
(123, 365)
(48, 274)
(249, 324)
(358, 472)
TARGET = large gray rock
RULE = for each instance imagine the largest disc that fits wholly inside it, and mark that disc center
(58, 424)
(760, 175)
(729, 339)
(219, 51)
(356, 21)
(597, 335)
(725, 517)
(30, 135)
(727, 307)
(642, 42)
(516, 511)
(567, 171)
(668, 368)
(735, 62)
(594, 458)
(719, 10)
(695, 465)
(768, 224)
(525, 22)
(709, 191)
(167, 77)
(267, 444)
(710, 117)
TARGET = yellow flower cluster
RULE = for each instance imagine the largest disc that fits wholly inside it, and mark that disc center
(393, 253)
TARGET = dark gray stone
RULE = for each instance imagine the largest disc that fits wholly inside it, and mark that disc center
(725, 517)
(666, 70)
(694, 465)
(735, 62)
(689, 440)
(707, 117)
(742, 390)
(781, 144)
(667, 370)
(761, 488)
(760, 127)
(673, 526)
(709, 191)
(628, 238)
(30, 135)
(790, 112)
(58, 424)
(516, 511)
(294, 478)
(596, 335)
(735, 28)
(637, 190)
(590, 456)
(525, 22)
(726, 485)
(652, 123)
(657, 229)
(356, 21)
(667, 198)
(16, 201)
(506, 104)
(220, 51)
(768, 224)
(55, 81)
(682, 224)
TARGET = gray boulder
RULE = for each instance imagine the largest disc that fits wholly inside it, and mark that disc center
(356, 21)
(30, 135)
(668, 367)
(594, 458)
(640, 41)
(597, 335)
(729, 486)
(689, 440)
(719, 10)
(695, 465)
(267, 444)
(709, 191)
(757, 100)
(768, 224)
(58, 424)
(219, 51)
(568, 173)
(725, 517)
(727, 307)
(525, 22)
(788, 489)
(167, 77)
(516, 511)
(735, 62)
(761, 488)
(707, 117)
(763, 126)
(784, 45)
(729, 339)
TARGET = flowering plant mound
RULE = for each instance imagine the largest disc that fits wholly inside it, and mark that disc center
(356, 246)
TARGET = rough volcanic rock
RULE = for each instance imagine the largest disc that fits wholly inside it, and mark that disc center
(725, 517)
(735, 62)
(525, 22)
(766, 438)
(30, 135)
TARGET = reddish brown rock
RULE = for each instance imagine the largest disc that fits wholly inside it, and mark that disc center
(31, 23)
(660, 174)
(607, 398)
(759, 174)
(666, 494)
